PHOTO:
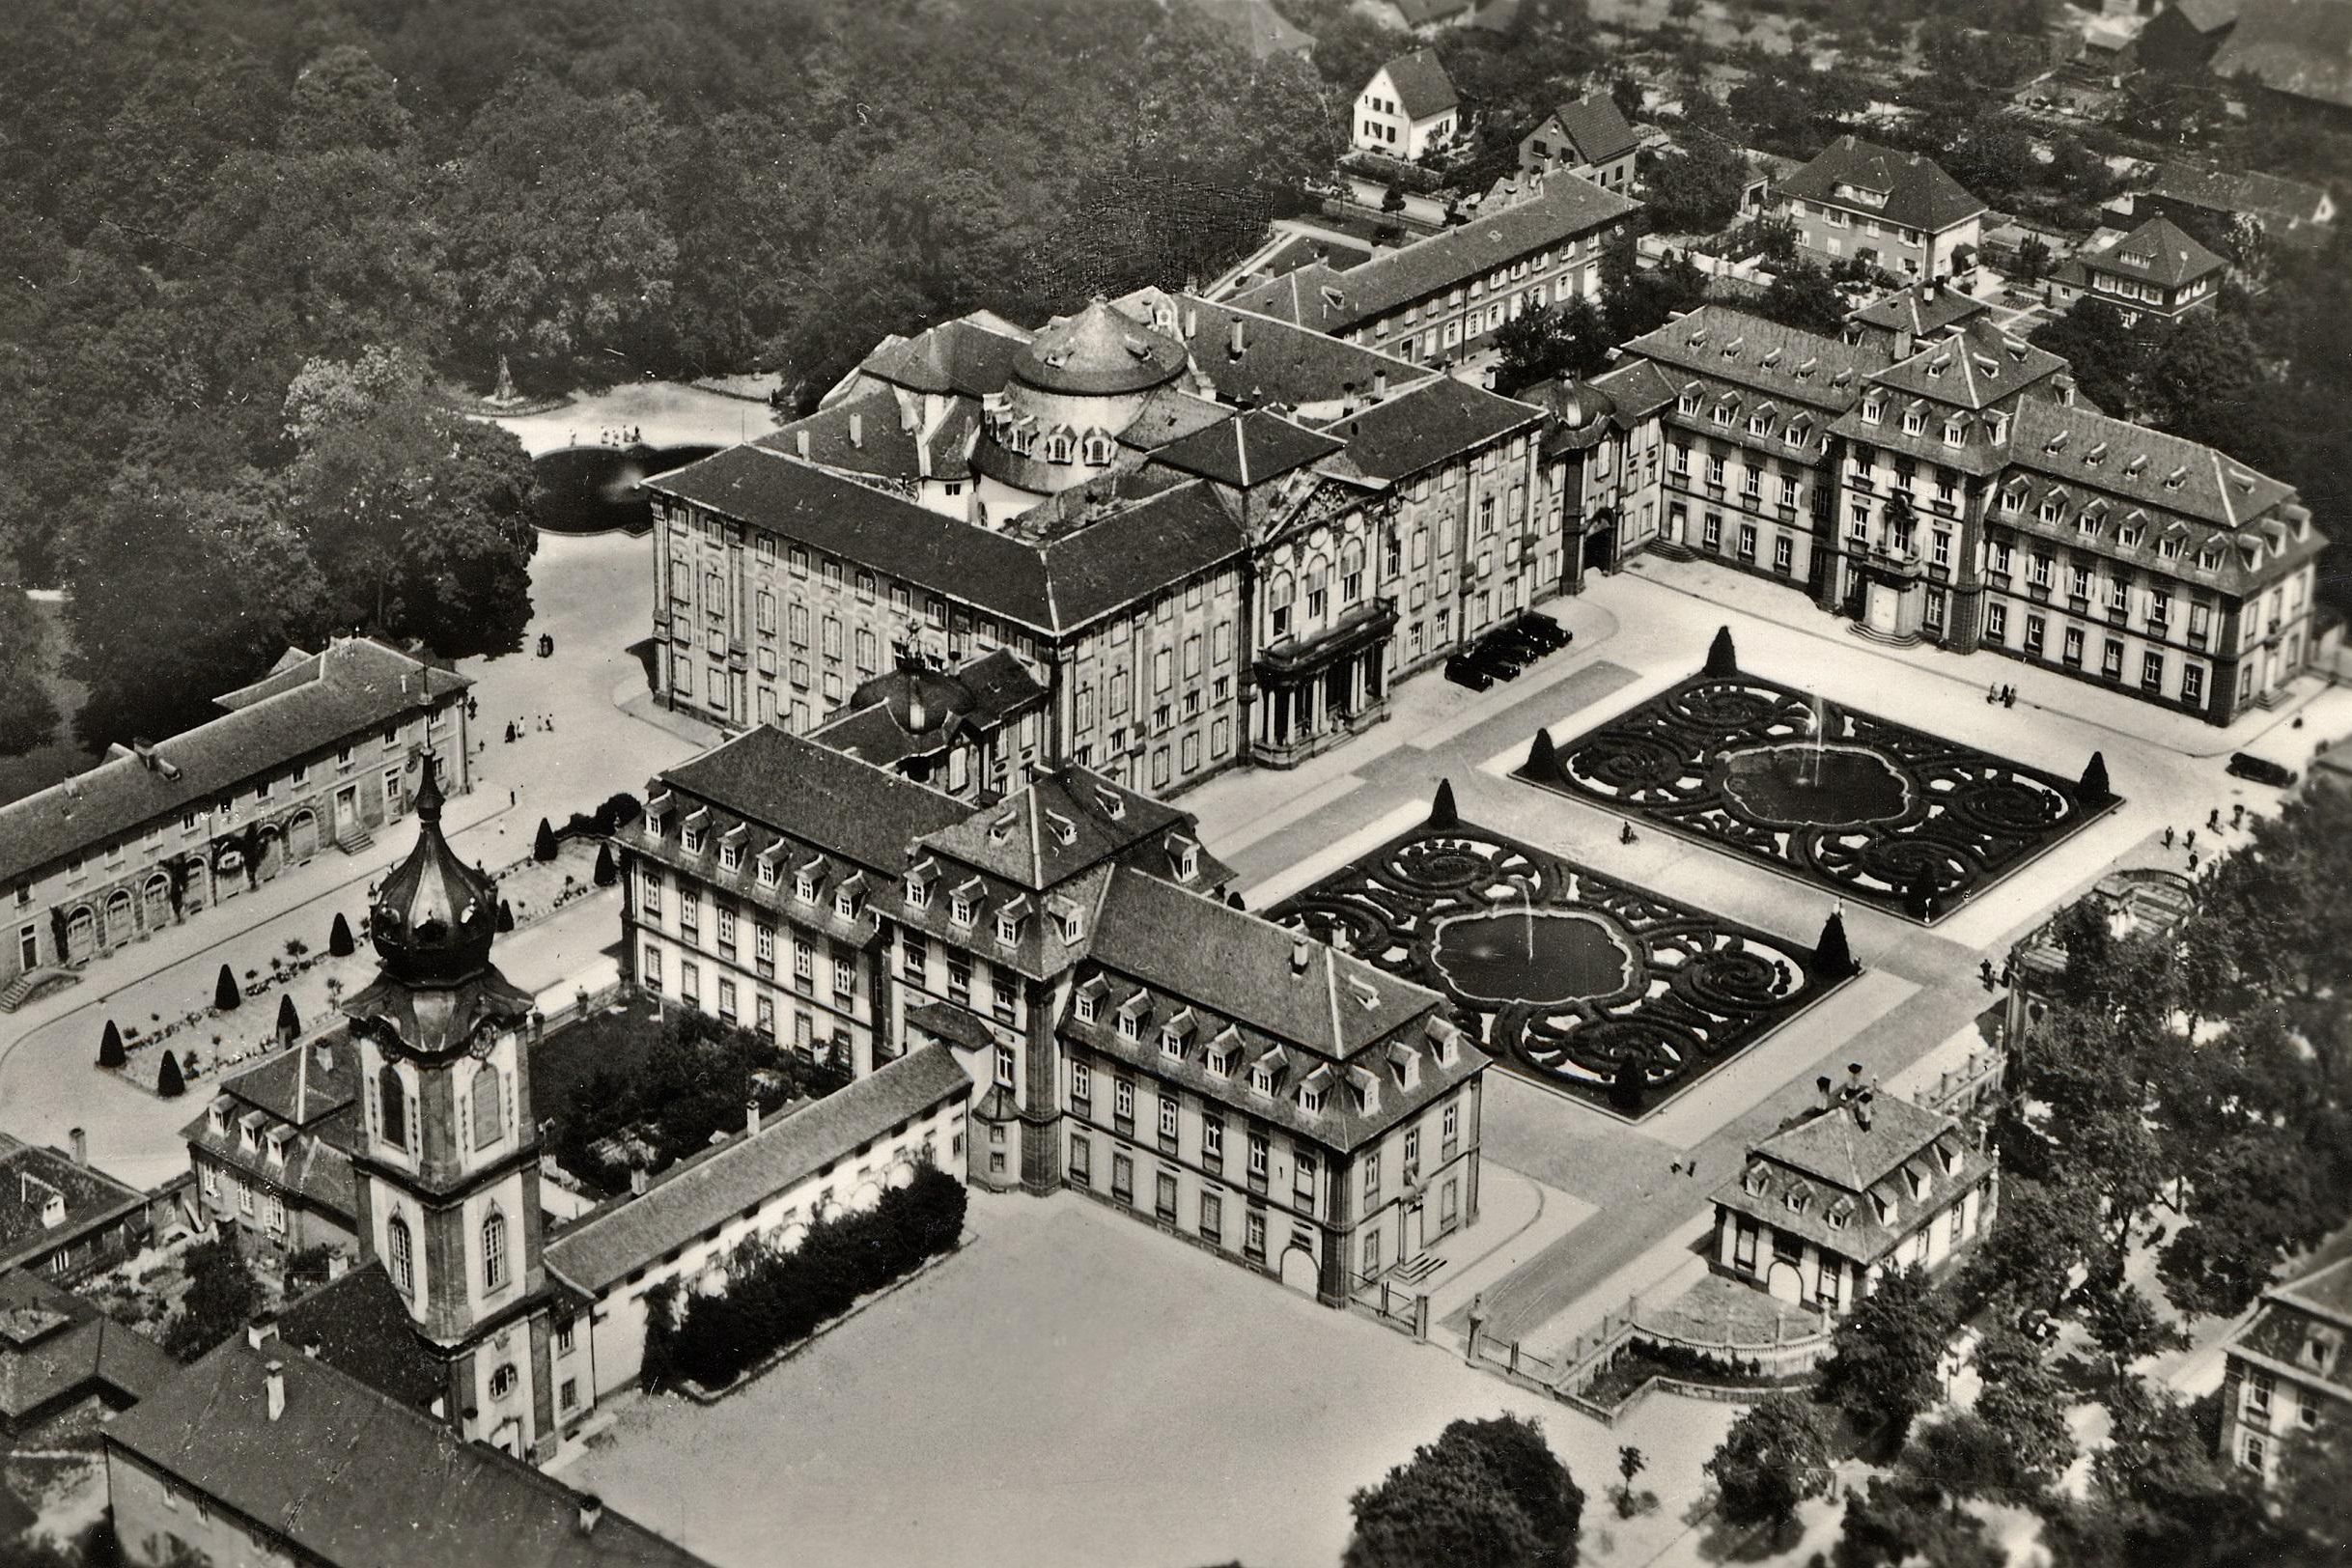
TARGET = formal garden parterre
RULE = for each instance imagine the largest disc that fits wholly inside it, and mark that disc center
(1872, 810)
(1580, 982)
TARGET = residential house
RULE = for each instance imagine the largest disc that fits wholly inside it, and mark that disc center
(1862, 1185)
(2210, 203)
(272, 1152)
(1408, 109)
(2299, 49)
(1586, 136)
(1423, 18)
(321, 753)
(2287, 1374)
(1898, 212)
(62, 1216)
(2183, 35)
(2157, 272)
(66, 1367)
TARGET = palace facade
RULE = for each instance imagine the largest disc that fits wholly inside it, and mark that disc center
(1135, 1036)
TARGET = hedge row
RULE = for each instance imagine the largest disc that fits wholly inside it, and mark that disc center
(776, 1299)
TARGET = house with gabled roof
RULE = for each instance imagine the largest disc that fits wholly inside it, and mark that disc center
(1408, 109)
(1896, 211)
(2157, 272)
(1860, 1184)
(1586, 136)
(272, 1151)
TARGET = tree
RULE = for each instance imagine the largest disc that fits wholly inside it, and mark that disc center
(506, 916)
(1551, 342)
(1488, 1493)
(2313, 1501)
(1831, 956)
(1723, 658)
(2204, 380)
(1635, 299)
(2094, 787)
(1696, 191)
(1886, 1363)
(2253, 1202)
(339, 943)
(169, 1081)
(606, 873)
(2034, 258)
(290, 1021)
(1442, 812)
(1963, 1456)
(1800, 296)
(224, 991)
(2045, 1229)
(543, 843)
(2126, 1325)
(1901, 1520)
(2101, 355)
(2166, 1497)
(1630, 1464)
(28, 717)
(110, 1047)
(2023, 1403)
(1776, 1455)
(221, 1299)
(1542, 763)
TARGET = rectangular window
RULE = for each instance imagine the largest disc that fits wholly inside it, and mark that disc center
(1213, 1143)
(1167, 1117)
(2151, 671)
(1164, 1198)
(1122, 1178)
(1081, 1161)
(1996, 622)
(1302, 1183)
(1211, 1217)
(1254, 1238)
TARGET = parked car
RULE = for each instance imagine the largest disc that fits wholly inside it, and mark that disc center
(1499, 661)
(1464, 670)
(2260, 771)
(1514, 644)
(1535, 624)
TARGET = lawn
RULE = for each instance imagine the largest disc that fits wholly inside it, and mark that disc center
(1075, 1388)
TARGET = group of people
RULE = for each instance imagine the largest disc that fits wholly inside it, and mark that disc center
(2213, 825)
(515, 730)
(2005, 695)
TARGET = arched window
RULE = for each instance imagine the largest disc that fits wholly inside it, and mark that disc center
(394, 1117)
(400, 1255)
(493, 1250)
(489, 1124)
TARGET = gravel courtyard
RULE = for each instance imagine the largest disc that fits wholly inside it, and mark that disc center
(1076, 1389)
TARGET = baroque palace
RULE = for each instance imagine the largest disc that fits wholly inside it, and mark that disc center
(1207, 536)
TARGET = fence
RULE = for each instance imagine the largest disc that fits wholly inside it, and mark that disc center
(1382, 1303)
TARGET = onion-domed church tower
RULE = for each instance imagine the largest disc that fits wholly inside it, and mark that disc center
(447, 1167)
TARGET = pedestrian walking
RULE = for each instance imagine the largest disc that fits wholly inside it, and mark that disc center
(2213, 819)
(1625, 832)
(510, 797)
(2190, 843)
(1985, 970)
(2237, 815)
(2192, 862)
(2167, 837)
(1992, 694)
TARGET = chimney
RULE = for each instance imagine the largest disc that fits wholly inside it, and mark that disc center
(1300, 948)
(2065, 388)
(1854, 1080)
(262, 1330)
(751, 1118)
(592, 1510)
(145, 750)
(1862, 1110)
(1191, 322)
(1380, 383)
(79, 1140)
(311, 1348)
(321, 1056)
(636, 1181)
(857, 429)
(1235, 345)
(1822, 1087)
(273, 1384)
(800, 444)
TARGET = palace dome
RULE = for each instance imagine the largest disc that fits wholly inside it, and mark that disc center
(435, 917)
(1101, 351)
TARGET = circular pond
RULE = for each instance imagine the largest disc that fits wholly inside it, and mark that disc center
(592, 490)
(1799, 785)
(1550, 957)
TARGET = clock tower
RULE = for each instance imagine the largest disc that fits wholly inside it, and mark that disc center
(447, 1165)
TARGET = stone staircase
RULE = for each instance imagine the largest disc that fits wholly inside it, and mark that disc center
(356, 840)
(36, 982)
(1420, 1269)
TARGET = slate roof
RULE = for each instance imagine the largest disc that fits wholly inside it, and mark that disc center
(1280, 362)
(1423, 90)
(2213, 487)
(55, 1346)
(608, 1245)
(317, 1104)
(1784, 362)
(352, 1478)
(885, 447)
(1638, 388)
(1924, 310)
(2305, 1326)
(799, 785)
(28, 1175)
(353, 687)
(875, 723)
(1058, 824)
(1424, 425)
(2300, 47)
(1255, 448)
(1170, 415)
(1920, 194)
(2282, 204)
(1099, 352)
(1836, 1170)
(1053, 586)
(1188, 945)
(361, 1327)
(1316, 296)
(2159, 252)
(1973, 368)
(962, 356)
(1567, 208)
(1595, 128)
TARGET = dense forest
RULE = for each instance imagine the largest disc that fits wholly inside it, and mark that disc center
(251, 248)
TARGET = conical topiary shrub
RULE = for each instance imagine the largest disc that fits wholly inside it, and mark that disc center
(1831, 954)
(542, 845)
(339, 940)
(170, 1082)
(606, 873)
(110, 1047)
(290, 1021)
(1542, 763)
(1628, 1087)
(1442, 812)
(1722, 659)
(2094, 787)
(225, 994)
(506, 916)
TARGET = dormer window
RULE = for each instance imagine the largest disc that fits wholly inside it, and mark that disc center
(1757, 423)
(1752, 1181)
(1058, 447)
(1131, 1017)
(1913, 422)
(1954, 432)
(2013, 501)
(766, 871)
(1185, 853)
(220, 1115)
(1089, 1000)
(1175, 1033)
(1310, 1101)
(1913, 1179)
(1798, 1199)
(1098, 450)
(2208, 558)
(1997, 428)
(2169, 549)
(1010, 918)
(849, 898)
(2051, 509)
(1219, 1058)
(690, 841)
(804, 886)
(1882, 1206)
(2176, 479)
(730, 858)
(1689, 401)
(1723, 412)
(1873, 410)
(2096, 454)
(1261, 1079)
(963, 903)
(652, 824)
(1838, 1217)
